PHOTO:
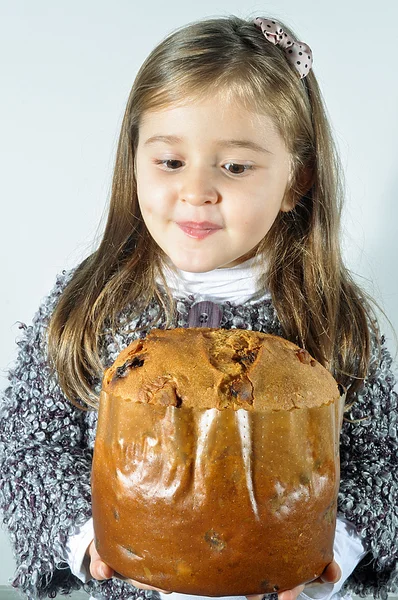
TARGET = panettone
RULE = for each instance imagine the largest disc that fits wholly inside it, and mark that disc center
(216, 463)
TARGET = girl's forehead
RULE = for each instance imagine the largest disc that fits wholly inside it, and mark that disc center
(217, 98)
(217, 111)
(211, 124)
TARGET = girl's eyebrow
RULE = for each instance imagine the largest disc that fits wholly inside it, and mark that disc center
(173, 139)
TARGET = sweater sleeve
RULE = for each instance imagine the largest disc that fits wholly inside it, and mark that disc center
(45, 468)
(369, 477)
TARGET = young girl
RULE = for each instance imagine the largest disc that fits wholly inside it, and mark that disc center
(225, 212)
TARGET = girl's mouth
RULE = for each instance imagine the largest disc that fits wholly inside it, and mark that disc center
(196, 233)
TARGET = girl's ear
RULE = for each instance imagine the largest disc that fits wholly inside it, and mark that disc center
(295, 192)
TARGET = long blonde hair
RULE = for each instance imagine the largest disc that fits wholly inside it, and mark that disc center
(319, 305)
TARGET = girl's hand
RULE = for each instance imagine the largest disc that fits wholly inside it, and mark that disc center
(331, 574)
(100, 570)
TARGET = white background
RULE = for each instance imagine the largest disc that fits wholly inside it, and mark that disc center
(66, 71)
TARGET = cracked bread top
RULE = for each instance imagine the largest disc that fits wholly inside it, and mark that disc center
(207, 368)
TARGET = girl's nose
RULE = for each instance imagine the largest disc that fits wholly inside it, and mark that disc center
(198, 189)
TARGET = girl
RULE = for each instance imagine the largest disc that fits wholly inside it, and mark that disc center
(225, 212)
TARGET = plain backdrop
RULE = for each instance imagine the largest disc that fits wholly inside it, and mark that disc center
(66, 71)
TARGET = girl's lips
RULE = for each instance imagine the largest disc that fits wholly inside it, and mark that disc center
(196, 233)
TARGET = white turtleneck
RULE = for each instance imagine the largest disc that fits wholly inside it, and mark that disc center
(234, 284)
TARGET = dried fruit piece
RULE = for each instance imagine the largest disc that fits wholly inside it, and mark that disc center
(304, 356)
(162, 390)
(242, 390)
(132, 363)
(215, 540)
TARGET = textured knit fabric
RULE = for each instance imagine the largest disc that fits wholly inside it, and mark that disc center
(46, 447)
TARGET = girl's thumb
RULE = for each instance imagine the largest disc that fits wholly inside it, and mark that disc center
(332, 573)
(98, 568)
(101, 570)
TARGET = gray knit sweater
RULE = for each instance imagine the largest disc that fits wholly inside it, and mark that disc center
(46, 447)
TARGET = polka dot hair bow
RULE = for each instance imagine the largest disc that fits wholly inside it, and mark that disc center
(297, 53)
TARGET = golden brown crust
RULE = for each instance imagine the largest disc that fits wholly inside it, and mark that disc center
(231, 368)
(216, 463)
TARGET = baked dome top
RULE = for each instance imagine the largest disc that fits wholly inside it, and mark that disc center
(207, 368)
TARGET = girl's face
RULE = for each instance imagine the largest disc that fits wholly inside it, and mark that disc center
(211, 180)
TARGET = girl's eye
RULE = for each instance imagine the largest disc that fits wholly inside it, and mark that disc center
(171, 164)
(238, 169)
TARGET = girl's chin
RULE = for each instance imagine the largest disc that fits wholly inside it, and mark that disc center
(201, 266)
(193, 264)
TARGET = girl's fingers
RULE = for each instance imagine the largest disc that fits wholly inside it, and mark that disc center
(291, 594)
(332, 573)
(98, 568)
